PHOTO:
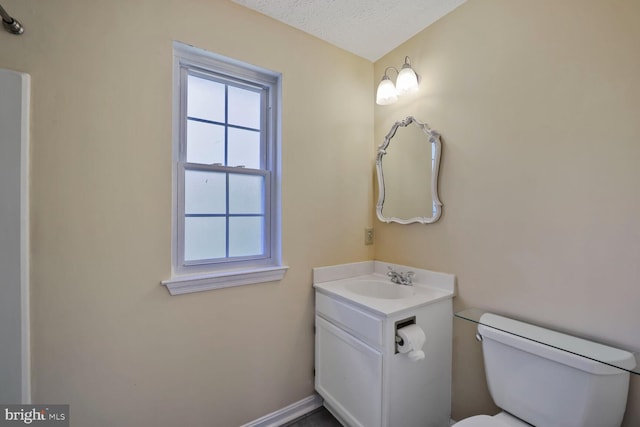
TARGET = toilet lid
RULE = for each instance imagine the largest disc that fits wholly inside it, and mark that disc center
(480, 421)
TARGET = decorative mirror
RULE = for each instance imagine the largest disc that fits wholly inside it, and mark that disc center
(408, 174)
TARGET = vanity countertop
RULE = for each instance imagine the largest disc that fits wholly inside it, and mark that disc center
(420, 294)
(367, 285)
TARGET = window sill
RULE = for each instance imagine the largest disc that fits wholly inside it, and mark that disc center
(179, 285)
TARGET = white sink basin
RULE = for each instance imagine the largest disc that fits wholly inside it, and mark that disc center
(380, 289)
(367, 285)
(377, 293)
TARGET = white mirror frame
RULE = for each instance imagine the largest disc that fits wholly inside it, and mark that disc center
(433, 137)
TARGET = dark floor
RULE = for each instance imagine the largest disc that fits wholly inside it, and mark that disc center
(318, 418)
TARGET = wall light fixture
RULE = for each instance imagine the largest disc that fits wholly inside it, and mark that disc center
(406, 82)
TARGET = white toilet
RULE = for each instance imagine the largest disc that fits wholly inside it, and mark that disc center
(536, 384)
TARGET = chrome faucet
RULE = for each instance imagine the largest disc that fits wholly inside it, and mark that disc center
(401, 278)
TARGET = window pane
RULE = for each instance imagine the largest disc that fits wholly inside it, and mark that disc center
(205, 99)
(244, 148)
(245, 236)
(204, 238)
(205, 192)
(205, 143)
(244, 107)
(246, 194)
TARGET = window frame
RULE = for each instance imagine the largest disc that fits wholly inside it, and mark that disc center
(192, 276)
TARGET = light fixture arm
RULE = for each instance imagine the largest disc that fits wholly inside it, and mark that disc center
(386, 72)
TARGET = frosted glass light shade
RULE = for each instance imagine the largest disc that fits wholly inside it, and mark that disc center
(387, 93)
(407, 81)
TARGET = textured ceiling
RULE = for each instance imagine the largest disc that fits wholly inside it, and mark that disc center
(367, 28)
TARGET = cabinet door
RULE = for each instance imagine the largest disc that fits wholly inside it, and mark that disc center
(348, 375)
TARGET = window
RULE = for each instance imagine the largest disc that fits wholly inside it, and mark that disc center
(226, 184)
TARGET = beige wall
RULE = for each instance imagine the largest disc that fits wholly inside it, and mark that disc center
(538, 104)
(107, 337)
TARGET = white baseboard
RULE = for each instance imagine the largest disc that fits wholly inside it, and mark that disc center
(290, 413)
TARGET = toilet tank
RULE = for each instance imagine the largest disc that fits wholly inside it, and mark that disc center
(545, 386)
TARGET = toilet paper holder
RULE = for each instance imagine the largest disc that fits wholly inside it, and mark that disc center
(399, 325)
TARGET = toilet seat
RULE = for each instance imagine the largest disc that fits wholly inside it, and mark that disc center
(480, 421)
(500, 420)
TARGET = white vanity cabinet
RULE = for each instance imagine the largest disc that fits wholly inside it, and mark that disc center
(349, 359)
(364, 381)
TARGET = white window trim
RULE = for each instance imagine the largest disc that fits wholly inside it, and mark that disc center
(182, 280)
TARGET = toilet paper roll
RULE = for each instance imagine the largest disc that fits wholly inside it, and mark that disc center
(413, 339)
